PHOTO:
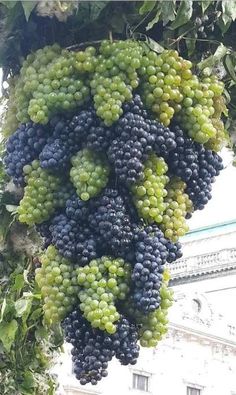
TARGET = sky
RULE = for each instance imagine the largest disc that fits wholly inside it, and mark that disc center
(222, 206)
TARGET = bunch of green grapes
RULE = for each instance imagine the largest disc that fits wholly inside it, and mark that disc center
(89, 173)
(40, 195)
(178, 205)
(85, 61)
(149, 193)
(115, 77)
(49, 83)
(219, 105)
(101, 284)
(197, 109)
(10, 122)
(57, 281)
(162, 76)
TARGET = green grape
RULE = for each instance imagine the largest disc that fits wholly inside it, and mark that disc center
(115, 77)
(103, 282)
(89, 173)
(161, 76)
(57, 282)
(149, 193)
(40, 195)
(178, 205)
(49, 82)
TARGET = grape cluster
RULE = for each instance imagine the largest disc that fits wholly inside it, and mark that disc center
(73, 240)
(199, 186)
(101, 283)
(162, 76)
(152, 326)
(109, 220)
(152, 251)
(110, 185)
(93, 349)
(149, 193)
(198, 110)
(40, 195)
(89, 173)
(57, 281)
(76, 208)
(137, 137)
(178, 206)
(22, 147)
(114, 77)
(49, 83)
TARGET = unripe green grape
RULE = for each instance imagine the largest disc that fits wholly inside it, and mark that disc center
(101, 283)
(148, 193)
(177, 206)
(40, 195)
(59, 296)
(89, 173)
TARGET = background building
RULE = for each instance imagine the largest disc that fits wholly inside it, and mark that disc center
(198, 355)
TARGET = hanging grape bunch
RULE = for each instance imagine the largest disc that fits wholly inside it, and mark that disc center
(115, 148)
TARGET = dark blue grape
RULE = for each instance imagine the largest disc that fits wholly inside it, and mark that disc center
(22, 148)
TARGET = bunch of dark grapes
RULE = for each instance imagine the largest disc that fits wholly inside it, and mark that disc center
(22, 148)
(73, 240)
(66, 139)
(195, 165)
(137, 136)
(110, 221)
(76, 208)
(199, 186)
(93, 349)
(152, 251)
(183, 160)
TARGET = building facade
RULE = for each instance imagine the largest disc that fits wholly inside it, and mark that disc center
(198, 355)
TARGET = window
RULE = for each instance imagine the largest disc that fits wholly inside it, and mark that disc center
(196, 305)
(140, 382)
(193, 391)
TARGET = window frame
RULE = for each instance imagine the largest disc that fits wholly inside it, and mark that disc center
(193, 387)
(146, 376)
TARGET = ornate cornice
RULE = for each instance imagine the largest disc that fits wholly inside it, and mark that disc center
(203, 265)
(179, 332)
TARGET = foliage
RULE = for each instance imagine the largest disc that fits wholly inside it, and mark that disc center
(25, 349)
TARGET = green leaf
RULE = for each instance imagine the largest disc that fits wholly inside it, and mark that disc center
(205, 4)
(223, 27)
(229, 10)
(214, 59)
(3, 308)
(29, 381)
(96, 8)
(8, 333)
(36, 314)
(9, 4)
(19, 282)
(147, 7)
(153, 45)
(184, 13)
(154, 20)
(230, 67)
(191, 42)
(11, 208)
(167, 11)
(28, 7)
(23, 307)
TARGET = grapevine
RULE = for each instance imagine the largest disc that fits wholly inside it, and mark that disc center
(114, 147)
